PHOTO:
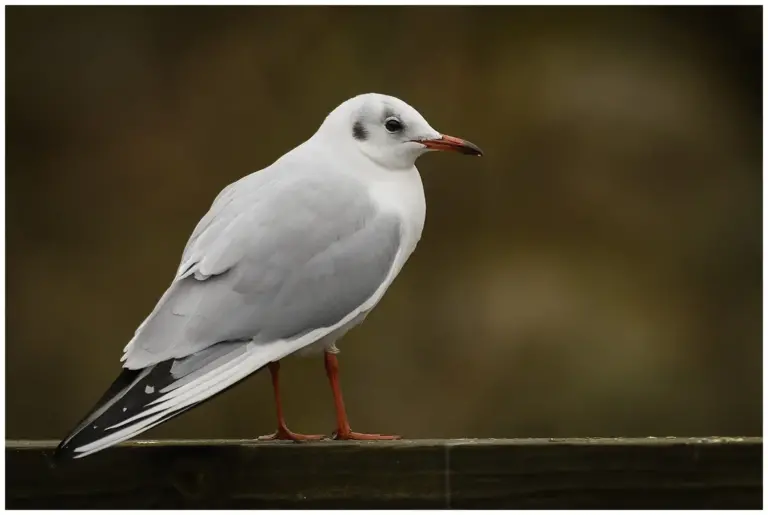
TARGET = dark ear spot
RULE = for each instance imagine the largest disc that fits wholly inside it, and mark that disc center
(359, 132)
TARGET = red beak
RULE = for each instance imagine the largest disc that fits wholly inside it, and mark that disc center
(452, 144)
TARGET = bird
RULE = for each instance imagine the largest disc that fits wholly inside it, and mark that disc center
(285, 261)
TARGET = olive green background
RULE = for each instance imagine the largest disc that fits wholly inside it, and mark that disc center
(597, 273)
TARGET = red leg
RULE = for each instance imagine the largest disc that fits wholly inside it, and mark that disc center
(283, 433)
(343, 432)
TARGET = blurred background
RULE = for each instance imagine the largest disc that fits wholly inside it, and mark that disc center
(597, 273)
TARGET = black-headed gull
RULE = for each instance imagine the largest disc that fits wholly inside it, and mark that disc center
(287, 259)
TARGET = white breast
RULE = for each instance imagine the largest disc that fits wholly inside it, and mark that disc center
(402, 193)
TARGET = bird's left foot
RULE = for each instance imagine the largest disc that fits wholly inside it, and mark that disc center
(351, 435)
(286, 434)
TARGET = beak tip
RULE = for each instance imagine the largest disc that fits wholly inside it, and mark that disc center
(473, 150)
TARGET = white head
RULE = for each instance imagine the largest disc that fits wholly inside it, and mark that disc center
(388, 131)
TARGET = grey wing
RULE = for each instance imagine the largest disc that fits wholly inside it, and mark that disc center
(302, 256)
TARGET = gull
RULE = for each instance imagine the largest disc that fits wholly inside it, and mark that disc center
(286, 260)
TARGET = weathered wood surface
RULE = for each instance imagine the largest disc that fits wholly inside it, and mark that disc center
(528, 473)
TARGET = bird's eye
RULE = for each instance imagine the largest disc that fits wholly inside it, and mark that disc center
(393, 125)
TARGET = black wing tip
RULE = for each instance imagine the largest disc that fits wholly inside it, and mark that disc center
(66, 452)
(136, 389)
(63, 453)
(83, 433)
(135, 394)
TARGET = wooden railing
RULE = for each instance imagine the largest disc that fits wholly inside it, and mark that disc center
(526, 473)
